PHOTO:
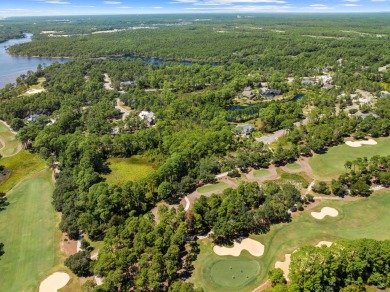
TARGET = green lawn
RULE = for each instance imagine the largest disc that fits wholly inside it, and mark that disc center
(293, 165)
(28, 231)
(261, 173)
(331, 164)
(21, 165)
(10, 141)
(128, 169)
(365, 218)
(213, 187)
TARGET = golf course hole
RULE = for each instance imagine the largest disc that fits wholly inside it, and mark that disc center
(234, 273)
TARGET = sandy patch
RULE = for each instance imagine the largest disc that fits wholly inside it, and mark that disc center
(327, 243)
(359, 143)
(34, 91)
(54, 282)
(254, 247)
(326, 211)
(285, 265)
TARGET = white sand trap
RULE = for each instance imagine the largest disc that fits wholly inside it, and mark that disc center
(54, 282)
(284, 266)
(359, 143)
(326, 211)
(327, 243)
(254, 247)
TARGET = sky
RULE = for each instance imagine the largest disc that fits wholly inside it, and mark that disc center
(10, 8)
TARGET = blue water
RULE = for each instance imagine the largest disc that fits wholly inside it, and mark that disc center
(298, 97)
(11, 66)
(240, 107)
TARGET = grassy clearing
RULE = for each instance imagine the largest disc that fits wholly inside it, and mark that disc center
(293, 165)
(9, 140)
(303, 230)
(261, 173)
(128, 169)
(21, 165)
(28, 231)
(300, 178)
(331, 164)
(212, 188)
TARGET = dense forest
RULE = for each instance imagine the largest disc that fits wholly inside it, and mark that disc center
(345, 266)
(194, 135)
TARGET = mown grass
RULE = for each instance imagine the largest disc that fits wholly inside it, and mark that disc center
(28, 231)
(10, 141)
(331, 164)
(21, 165)
(293, 165)
(365, 218)
(234, 272)
(261, 173)
(212, 188)
(124, 170)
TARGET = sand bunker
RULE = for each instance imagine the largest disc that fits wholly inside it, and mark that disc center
(54, 282)
(254, 247)
(327, 243)
(285, 265)
(326, 211)
(359, 143)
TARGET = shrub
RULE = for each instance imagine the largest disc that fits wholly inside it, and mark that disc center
(80, 264)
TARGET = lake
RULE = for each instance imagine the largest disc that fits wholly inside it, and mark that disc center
(13, 66)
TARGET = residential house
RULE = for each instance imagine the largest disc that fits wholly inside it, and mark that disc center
(246, 129)
(247, 93)
(148, 117)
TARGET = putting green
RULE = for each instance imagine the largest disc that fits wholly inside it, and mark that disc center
(233, 273)
(212, 188)
(293, 165)
(261, 173)
(363, 218)
(331, 164)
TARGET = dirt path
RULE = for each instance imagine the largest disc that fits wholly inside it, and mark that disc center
(107, 82)
(262, 287)
(125, 111)
(305, 166)
(272, 138)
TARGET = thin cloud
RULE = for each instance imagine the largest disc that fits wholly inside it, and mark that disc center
(112, 2)
(351, 5)
(58, 2)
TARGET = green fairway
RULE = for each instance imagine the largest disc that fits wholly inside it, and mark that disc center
(128, 169)
(28, 231)
(303, 230)
(234, 272)
(212, 188)
(331, 164)
(293, 166)
(8, 142)
(261, 173)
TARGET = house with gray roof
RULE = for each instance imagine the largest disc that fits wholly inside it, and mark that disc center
(246, 129)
